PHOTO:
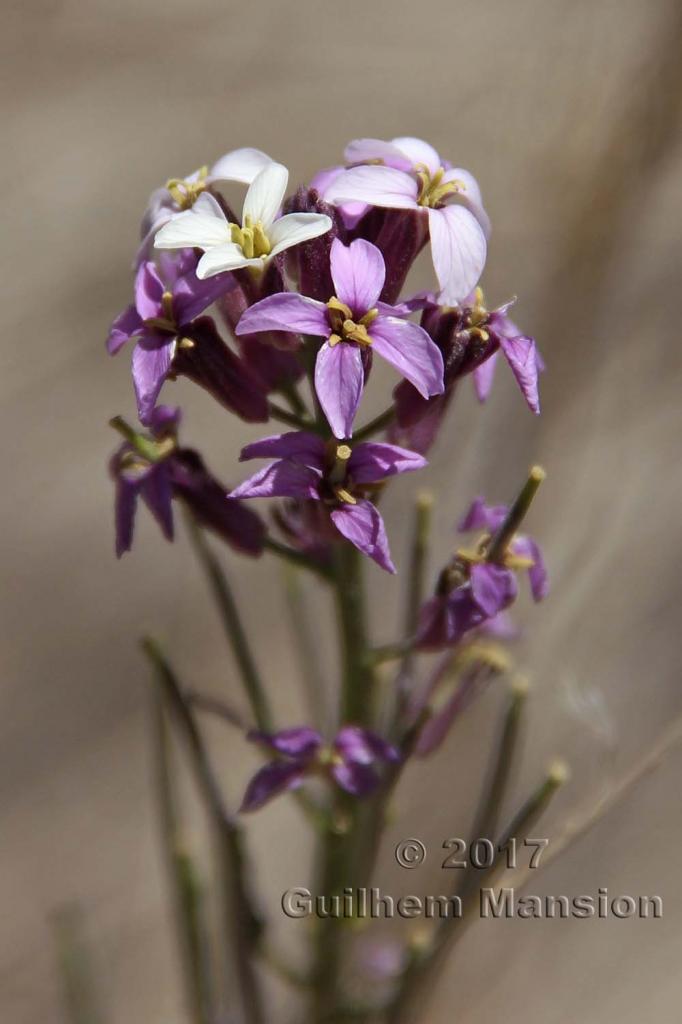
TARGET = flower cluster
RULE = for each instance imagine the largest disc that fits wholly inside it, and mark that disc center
(278, 314)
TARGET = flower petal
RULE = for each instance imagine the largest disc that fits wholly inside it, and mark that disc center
(354, 743)
(271, 780)
(363, 526)
(281, 479)
(526, 547)
(294, 228)
(378, 186)
(471, 196)
(339, 379)
(370, 151)
(192, 295)
(152, 357)
(220, 258)
(203, 227)
(125, 505)
(372, 461)
(480, 516)
(357, 779)
(299, 741)
(412, 352)
(265, 195)
(483, 377)
(458, 249)
(285, 311)
(239, 165)
(155, 491)
(521, 355)
(418, 152)
(148, 291)
(358, 273)
(493, 588)
(127, 325)
(297, 445)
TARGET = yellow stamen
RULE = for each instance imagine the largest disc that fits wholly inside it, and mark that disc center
(185, 193)
(345, 496)
(432, 190)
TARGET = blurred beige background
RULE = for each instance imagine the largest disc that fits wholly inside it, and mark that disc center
(568, 115)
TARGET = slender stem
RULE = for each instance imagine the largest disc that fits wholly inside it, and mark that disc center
(214, 706)
(297, 558)
(234, 629)
(241, 921)
(290, 418)
(358, 676)
(515, 515)
(420, 977)
(380, 422)
(187, 890)
(306, 645)
(81, 1005)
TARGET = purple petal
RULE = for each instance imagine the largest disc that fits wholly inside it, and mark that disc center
(408, 348)
(191, 296)
(155, 491)
(125, 504)
(298, 446)
(363, 746)
(127, 325)
(280, 480)
(521, 355)
(373, 461)
(378, 186)
(483, 377)
(458, 249)
(351, 213)
(286, 311)
(480, 516)
(148, 291)
(165, 419)
(358, 779)
(298, 742)
(363, 526)
(270, 781)
(358, 273)
(339, 379)
(152, 357)
(493, 588)
(526, 547)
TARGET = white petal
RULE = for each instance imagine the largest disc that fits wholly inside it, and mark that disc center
(458, 250)
(265, 195)
(367, 151)
(190, 229)
(470, 197)
(295, 228)
(208, 205)
(223, 257)
(377, 185)
(239, 165)
(418, 152)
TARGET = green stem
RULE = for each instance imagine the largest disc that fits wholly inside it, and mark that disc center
(234, 629)
(297, 558)
(357, 671)
(380, 422)
(241, 922)
(292, 419)
(306, 647)
(187, 889)
(515, 515)
(81, 1005)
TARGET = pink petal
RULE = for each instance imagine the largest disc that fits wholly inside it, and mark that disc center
(408, 348)
(483, 377)
(458, 250)
(358, 273)
(378, 186)
(418, 152)
(285, 311)
(521, 355)
(363, 526)
(370, 151)
(339, 379)
(471, 197)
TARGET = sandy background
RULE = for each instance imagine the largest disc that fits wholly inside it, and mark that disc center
(568, 115)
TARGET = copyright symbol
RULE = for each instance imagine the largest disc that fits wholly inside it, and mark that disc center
(410, 853)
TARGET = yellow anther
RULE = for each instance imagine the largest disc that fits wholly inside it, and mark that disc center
(334, 339)
(186, 343)
(432, 190)
(343, 452)
(345, 496)
(185, 193)
(369, 317)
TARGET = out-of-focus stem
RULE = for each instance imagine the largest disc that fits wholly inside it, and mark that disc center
(420, 977)
(232, 623)
(76, 975)
(297, 558)
(357, 673)
(292, 419)
(380, 422)
(241, 922)
(515, 515)
(187, 894)
(308, 656)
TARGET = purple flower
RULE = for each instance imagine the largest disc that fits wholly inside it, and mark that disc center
(408, 174)
(469, 337)
(157, 471)
(334, 474)
(472, 591)
(351, 321)
(167, 299)
(351, 761)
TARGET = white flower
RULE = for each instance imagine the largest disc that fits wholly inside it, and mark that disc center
(261, 236)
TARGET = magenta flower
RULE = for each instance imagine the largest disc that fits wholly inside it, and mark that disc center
(337, 476)
(408, 174)
(472, 591)
(351, 761)
(165, 472)
(351, 321)
(167, 299)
